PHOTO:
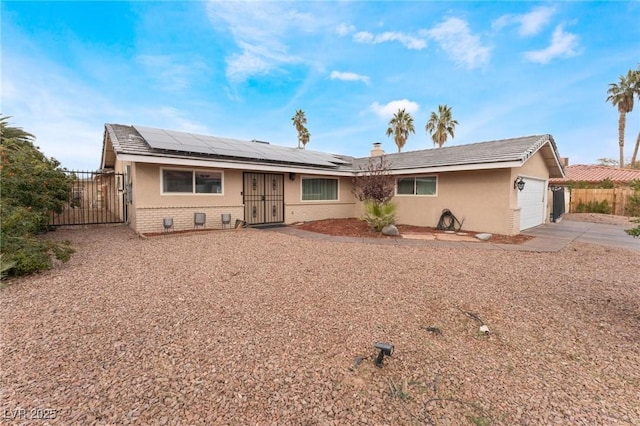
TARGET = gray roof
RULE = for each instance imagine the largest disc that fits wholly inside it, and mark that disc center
(139, 140)
(492, 152)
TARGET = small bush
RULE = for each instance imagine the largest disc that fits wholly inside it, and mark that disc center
(594, 207)
(634, 232)
(633, 207)
(379, 215)
(375, 183)
(26, 255)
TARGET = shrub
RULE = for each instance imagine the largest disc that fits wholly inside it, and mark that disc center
(594, 207)
(379, 215)
(634, 232)
(633, 206)
(375, 183)
(32, 187)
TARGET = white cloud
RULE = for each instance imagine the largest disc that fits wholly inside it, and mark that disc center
(408, 41)
(171, 73)
(459, 43)
(363, 37)
(387, 110)
(529, 23)
(166, 114)
(260, 31)
(344, 29)
(349, 76)
(563, 45)
(68, 117)
(532, 22)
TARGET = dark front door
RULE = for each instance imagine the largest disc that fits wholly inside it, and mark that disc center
(263, 195)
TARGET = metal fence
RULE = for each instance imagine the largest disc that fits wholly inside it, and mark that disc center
(96, 198)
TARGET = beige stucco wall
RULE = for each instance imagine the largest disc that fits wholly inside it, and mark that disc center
(150, 206)
(484, 199)
(297, 210)
(480, 198)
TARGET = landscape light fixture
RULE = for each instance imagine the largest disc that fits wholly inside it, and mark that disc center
(519, 183)
(385, 349)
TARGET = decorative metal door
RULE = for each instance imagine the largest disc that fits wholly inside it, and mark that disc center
(263, 196)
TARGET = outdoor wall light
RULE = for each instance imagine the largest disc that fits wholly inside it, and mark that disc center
(385, 349)
(519, 183)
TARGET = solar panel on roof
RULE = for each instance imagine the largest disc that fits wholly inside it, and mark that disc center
(188, 142)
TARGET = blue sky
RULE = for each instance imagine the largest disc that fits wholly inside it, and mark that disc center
(241, 70)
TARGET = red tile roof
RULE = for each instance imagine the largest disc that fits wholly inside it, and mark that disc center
(586, 173)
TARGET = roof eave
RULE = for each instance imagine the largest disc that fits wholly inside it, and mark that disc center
(192, 162)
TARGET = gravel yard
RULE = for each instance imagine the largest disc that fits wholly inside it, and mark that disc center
(257, 327)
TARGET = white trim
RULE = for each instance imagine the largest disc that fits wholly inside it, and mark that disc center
(193, 181)
(414, 186)
(337, 200)
(185, 162)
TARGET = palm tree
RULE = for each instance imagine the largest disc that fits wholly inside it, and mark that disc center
(441, 125)
(299, 121)
(400, 126)
(621, 96)
(636, 90)
(10, 132)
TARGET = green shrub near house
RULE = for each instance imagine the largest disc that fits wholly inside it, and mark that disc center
(32, 186)
(594, 207)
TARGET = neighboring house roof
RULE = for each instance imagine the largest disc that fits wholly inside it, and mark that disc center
(588, 173)
(138, 143)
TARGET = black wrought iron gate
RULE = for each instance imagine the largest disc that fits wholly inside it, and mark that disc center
(558, 203)
(263, 195)
(95, 198)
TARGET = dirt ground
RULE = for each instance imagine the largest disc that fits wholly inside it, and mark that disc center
(257, 327)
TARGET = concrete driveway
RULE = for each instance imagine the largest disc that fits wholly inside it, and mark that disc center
(561, 233)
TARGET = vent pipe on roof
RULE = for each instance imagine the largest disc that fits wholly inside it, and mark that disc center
(377, 150)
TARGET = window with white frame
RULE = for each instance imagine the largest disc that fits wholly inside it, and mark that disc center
(191, 182)
(319, 189)
(417, 185)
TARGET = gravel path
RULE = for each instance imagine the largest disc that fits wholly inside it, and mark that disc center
(256, 327)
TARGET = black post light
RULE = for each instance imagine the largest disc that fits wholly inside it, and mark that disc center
(385, 349)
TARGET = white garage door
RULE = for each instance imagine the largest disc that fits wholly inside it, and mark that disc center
(531, 203)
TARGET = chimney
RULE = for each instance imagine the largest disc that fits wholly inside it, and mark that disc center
(564, 161)
(377, 150)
